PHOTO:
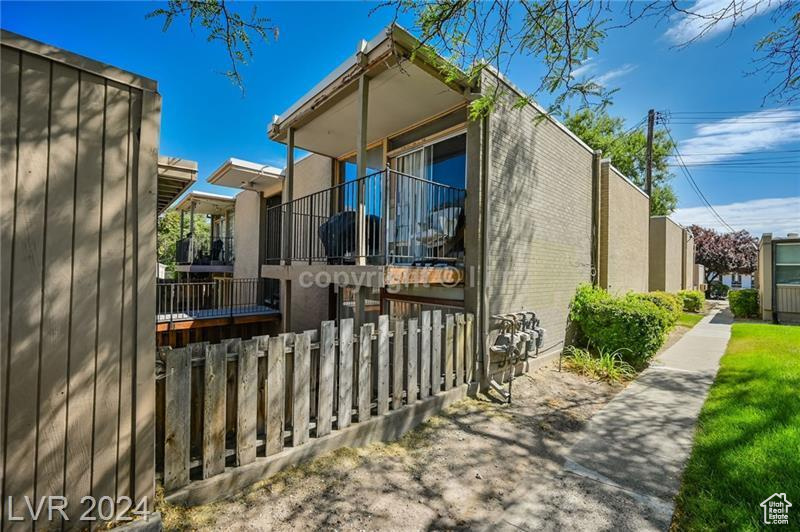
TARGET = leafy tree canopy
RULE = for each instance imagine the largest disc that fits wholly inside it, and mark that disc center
(722, 253)
(627, 150)
(556, 35)
(169, 231)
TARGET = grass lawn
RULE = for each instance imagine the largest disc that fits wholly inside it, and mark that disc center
(689, 319)
(747, 445)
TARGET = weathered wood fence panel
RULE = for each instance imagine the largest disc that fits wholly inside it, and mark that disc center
(242, 413)
(214, 411)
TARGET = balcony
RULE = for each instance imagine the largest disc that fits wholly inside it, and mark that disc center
(221, 298)
(385, 218)
(211, 251)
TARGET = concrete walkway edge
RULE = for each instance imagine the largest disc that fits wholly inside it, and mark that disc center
(639, 443)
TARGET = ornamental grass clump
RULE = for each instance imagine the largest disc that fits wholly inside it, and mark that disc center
(605, 365)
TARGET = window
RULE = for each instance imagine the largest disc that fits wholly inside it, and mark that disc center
(787, 263)
(444, 162)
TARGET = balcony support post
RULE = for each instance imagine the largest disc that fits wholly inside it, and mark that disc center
(288, 230)
(191, 232)
(361, 166)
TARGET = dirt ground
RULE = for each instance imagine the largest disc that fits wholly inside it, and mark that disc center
(457, 470)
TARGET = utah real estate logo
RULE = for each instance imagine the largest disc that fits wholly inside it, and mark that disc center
(776, 509)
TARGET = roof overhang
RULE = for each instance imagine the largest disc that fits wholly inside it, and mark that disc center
(206, 203)
(407, 84)
(174, 177)
(236, 173)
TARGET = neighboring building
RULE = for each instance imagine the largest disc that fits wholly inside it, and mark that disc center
(206, 254)
(779, 278)
(175, 176)
(220, 293)
(413, 206)
(699, 277)
(672, 266)
(738, 280)
(666, 254)
(624, 233)
(687, 262)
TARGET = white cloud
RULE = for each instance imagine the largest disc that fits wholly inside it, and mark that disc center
(724, 139)
(604, 79)
(588, 70)
(696, 23)
(586, 66)
(773, 215)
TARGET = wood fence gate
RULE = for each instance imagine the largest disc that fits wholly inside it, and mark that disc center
(223, 407)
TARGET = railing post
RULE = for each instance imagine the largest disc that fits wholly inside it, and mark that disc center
(361, 164)
(385, 186)
(310, 227)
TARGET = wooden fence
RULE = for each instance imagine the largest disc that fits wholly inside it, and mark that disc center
(224, 405)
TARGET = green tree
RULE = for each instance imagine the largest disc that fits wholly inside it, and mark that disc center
(557, 35)
(169, 231)
(627, 150)
(223, 23)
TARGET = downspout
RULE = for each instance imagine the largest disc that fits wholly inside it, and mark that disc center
(774, 284)
(485, 220)
(596, 190)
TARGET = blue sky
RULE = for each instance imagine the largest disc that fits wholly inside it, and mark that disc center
(207, 119)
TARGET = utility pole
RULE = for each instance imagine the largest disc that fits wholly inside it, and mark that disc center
(648, 184)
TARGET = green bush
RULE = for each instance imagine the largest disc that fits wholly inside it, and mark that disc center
(633, 326)
(717, 290)
(744, 303)
(671, 303)
(692, 300)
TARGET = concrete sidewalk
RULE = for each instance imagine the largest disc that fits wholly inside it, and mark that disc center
(629, 459)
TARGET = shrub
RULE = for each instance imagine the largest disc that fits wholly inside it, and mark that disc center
(635, 327)
(586, 296)
(744, 303)
(717, 290)
(668, 302)
(692, 300)
(604, 366)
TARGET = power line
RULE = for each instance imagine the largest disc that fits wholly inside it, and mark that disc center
(751, 111)
(694, 184)
(761, 152)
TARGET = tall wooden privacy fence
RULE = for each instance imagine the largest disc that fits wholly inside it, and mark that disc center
(227, 405)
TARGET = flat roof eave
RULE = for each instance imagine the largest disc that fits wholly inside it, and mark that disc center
(238, 173)
(393, 42)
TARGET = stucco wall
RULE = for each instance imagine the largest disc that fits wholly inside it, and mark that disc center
(624, 233)
(247, 230)
(539, 233)
(688, 261)
(666, 255)
(310, 305)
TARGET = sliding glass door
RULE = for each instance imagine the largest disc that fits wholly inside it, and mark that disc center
(424, 213)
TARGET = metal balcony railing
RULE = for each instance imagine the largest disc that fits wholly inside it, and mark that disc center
(387, 217)
(218, 298)
(204, 251)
